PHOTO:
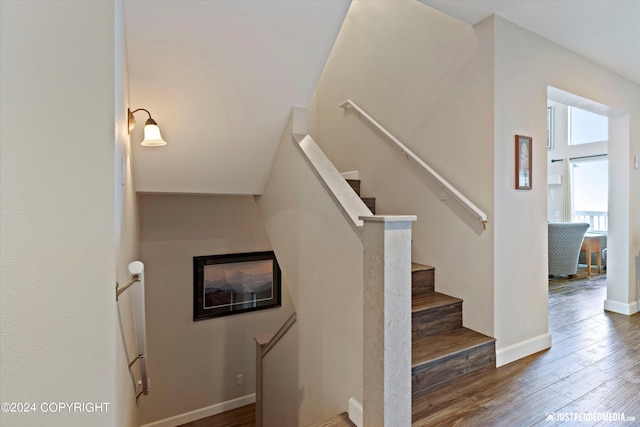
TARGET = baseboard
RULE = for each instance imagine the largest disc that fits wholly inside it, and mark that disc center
(621, 307)
(355, 412)
(208, 411)
(522, 349)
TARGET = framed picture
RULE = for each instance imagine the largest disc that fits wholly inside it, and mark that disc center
(235, 283)
(523, 162)
(549, 128)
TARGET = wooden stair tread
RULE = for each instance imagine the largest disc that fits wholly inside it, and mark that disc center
(435, 347)
(340, 420)
(432, 300)
(420, 267)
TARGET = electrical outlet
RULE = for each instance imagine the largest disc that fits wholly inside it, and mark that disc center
(443, 193)
(239, 379)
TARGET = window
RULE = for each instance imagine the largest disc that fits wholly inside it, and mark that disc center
(590, 181)
(586, 127)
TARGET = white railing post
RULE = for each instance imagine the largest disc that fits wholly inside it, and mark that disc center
(387, 321)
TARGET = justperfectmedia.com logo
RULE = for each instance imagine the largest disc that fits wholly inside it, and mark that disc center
(589, 417)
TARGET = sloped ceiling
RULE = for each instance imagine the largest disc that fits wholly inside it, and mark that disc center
(220, 78)
(605, 31)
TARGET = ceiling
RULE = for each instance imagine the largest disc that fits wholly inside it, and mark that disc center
(220, 76)
(605, 31)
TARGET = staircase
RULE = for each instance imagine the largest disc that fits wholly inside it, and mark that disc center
(369, 201)
(442, 349)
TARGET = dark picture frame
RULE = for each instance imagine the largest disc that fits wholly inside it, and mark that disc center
(235, 283)
(524, 154)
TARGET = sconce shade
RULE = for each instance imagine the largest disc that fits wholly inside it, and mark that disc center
(152, 137)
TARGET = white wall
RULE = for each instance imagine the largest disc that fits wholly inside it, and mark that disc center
(524, 65)
(221, 105)
(127, 237)
(320, 359)
(521, 222)
(428, 79)
(457, 96)
(193, 365)
(57, 306)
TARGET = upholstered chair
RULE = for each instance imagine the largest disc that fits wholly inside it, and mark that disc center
(565, 240)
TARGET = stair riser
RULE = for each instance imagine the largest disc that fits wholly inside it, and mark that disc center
(433, 373)
(436, 320)
(370, 202)
(355, 184)
(422, 282)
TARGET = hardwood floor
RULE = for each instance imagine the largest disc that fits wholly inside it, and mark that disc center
(239, 417)
(340, 420)
(593, 368)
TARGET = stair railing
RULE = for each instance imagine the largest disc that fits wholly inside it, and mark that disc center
(136, 271)
(351, 206)
(349, 104)
(264, 344)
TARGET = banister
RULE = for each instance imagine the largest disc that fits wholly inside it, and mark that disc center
(264, 344)
(349, 104)
(136, 272)
(351, 206)
(278, 335)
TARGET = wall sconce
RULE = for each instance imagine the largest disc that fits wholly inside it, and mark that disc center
(152, 137)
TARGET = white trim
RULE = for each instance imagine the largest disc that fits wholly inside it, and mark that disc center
(347, 200)
(522, 349)
(621, 307)
(208, 411)
(355, 412)
(351, 175)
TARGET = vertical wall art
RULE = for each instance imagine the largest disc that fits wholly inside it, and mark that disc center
(523, 162)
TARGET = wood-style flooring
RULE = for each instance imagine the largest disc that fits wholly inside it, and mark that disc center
(592, 369)
(244, 416)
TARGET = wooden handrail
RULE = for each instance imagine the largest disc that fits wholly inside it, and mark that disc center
(283, 330)
(349, 104)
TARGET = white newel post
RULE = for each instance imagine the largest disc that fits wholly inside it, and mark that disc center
(387, 320)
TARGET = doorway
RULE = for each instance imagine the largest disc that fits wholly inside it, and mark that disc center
(578, 192)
